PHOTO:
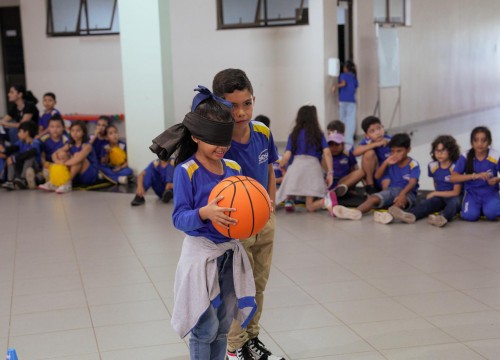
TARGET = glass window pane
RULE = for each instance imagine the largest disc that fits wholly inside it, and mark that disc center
(284, 12)
(239, 11)
(379, 10)
(396, 11)
(100, 14)
(65, 15)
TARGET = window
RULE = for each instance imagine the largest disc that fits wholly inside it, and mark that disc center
(392, 12)
(82, 17)
(234, 14)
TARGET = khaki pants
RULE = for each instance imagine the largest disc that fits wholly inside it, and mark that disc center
(259, 249)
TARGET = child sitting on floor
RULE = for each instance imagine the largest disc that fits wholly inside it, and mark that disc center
(114, 164)
(159, 175)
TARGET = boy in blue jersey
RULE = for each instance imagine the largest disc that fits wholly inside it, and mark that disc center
(158, 175)
(213, 280)
(49, 103)
(22, 158)
(403, 173)
(51, 142)
(253, 148)
(375, 151)
(446, 199)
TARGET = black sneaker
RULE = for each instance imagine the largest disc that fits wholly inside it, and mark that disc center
(138, 200)
(242, 353)
(259, 350)
(20, 183)
(9, 185)
(167, 196)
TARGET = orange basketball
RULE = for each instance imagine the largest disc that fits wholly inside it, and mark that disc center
(251, 201)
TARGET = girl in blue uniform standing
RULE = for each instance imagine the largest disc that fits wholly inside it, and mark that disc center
(213, 281)
(347, 85)
(478, 169)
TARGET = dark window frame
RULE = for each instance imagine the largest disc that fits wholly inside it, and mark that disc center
(388, 20)
(301, 18)
(81, 31)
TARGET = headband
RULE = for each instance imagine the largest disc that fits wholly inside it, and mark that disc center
(207, 130)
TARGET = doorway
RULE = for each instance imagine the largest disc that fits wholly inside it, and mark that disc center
(345, 30)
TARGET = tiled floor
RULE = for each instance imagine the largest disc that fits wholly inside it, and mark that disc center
(84, 276)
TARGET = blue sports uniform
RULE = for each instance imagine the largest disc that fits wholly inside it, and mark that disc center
(304, 148)
(107, 169)
(49, 146)
(43, 120)
(193, 184)
(255, 156)
(23, 147)
(400, 177)
(347, 93)
(382, 152)
(343, 164)
(89, 177)
(98, 146)
(479, 195)
(157, 176)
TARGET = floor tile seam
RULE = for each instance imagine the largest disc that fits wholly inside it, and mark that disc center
(13, 272)
(53, 331)
(145, 347)
(139, 260)
(432, 345)
(75, 253)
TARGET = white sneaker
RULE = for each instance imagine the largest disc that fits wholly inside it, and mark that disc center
(122, 180)
(330, 201)
(343, 212)
(437, 220)
(64, 188)
(382, 217)
(48, 186)
(402, 215)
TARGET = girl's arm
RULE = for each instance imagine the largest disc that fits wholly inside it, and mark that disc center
(457, 178)
(284, 161)
(56, 155)
(26, 117)
(79, 156)
(327, 156)
(457, 189)
(7, 122)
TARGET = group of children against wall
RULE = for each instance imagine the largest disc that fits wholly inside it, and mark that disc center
(465, 183)
(30, 143)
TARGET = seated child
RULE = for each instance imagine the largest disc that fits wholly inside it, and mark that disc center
(160, 176)
(346, 173)
(98, 139)
(51, 142)
(22, 158)
(447, 198)
(478, 169)
(335, 126)
(116, 172)
(49, 103)
(78, 156)
(403, 173)
(375, 151)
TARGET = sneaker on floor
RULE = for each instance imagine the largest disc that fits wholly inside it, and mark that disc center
(330, 201)
(138, 200)
(9, 185)
(48, 186)
(20, 183)
(289, 206)
(167, 196)
(437, 220)
(402, 215)
(123, 180)
(242, 353)
(382, 217)
(64, 188)
(343, 212)
(341, 190)
(259, 350)
(30, 178)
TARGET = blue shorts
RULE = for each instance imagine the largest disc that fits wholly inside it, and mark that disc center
(89, 177)
(387, 197)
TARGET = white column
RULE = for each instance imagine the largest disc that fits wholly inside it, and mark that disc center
(146, 65)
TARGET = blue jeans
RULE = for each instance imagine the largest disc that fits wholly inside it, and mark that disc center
(347, 114)
(209, 337)
(447, 207)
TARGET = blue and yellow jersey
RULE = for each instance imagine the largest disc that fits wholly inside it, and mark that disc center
(489, 164)
(400, 176)
(50, 146)
(441, 176)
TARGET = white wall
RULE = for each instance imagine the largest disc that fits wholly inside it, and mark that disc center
(84, 72)
(450, 60)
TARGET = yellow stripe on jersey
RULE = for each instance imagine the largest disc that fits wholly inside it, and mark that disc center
(434, 167)
(232, 164)
(261, 128)
(413, 164)
(45, 137)
(191, 167)
(492, 159)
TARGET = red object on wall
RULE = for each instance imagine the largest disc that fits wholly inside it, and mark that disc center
(91, 117)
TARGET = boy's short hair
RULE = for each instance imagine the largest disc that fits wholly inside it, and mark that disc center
(336, 125)
(105, 118)
(263, 119)
(230, 80)
(50, 94)
(400, 140)
(369, 121)
(30, 127)
(57, 117)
